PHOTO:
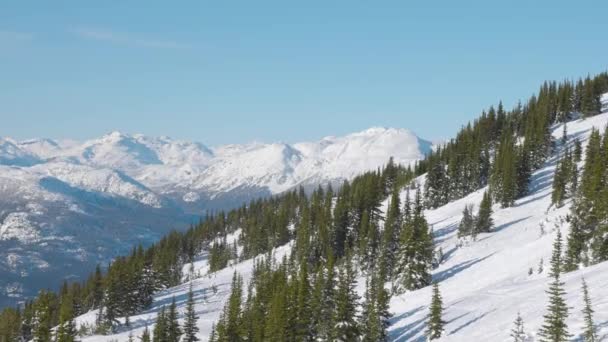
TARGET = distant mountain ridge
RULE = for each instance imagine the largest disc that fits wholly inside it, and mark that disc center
(66, 205)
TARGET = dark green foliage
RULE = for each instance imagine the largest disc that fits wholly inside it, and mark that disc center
(435, 323)
(554, 328)
(416, 250)
(518, 332)
(345, 325)
(467, 223)
(588, 238)
(484, 222)
(190, 327)
(145, 336)
(10, 325)
(174, 331)
(161, 333)
(66, 332)
(590, 332)
(503, 182)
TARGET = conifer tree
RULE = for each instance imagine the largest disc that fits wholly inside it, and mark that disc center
(145, 336)
(518, 333)
(345, 325)
(435, 323)
(416, 251)
(66, 331)
(174, 331)
(554, 328)
(42, 320)
(160, 333)
(590, 332)
(467, 223)
(503, 182)
(392, 230)
(190, 326)
(484, 222)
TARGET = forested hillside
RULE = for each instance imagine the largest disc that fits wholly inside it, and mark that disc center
(347, 251)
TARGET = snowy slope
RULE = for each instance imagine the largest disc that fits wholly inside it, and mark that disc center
(65, 205)
(484, 283)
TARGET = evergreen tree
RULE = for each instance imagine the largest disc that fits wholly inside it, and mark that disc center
(345, 327)
(416, 251)
(145, 336)
(518, 332)
(42, 320)
(590, 332)
(503, 182)
(467, 223)
(435, 323)
(555, 329)
(173, 330)
(66, 331)
(484, 222)
(190, 326)
(392, 230)
(161, 333)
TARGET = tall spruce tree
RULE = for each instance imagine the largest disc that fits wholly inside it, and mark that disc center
(174, 331)
(590, 331)
(467, 223)
(416, 251)
(484, 222)
(555, 328)
(435, 323)
(66, 331)
(518, 333)
(190, 326)
(145, 336)
(345, 325)
(161, 333)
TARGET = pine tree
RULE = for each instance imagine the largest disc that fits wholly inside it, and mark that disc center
(145, 336)
(173, 330)
(161, 333)
(190, 326)
(42, 320)
(590, 333)
(345, 327)
(467, 223)
(555, 329)
(435, 323)
(484, 222)
(518, 332)
(392, 230)
(416, 251)
(66, 332)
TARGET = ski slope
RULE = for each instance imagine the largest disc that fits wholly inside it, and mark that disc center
(484, 283)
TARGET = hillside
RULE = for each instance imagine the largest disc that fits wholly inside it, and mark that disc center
(484, 282)
(66, 206)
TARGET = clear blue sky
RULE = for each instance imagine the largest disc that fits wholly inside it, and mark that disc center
(236, 71)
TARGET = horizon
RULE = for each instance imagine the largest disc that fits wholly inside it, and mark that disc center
(235, 74)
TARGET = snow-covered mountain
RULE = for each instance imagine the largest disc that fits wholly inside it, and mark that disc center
(484, 283)
(66, 205)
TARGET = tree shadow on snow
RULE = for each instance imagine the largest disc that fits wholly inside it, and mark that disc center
(442, 234)
(454, 270)
(506, 225)
(407, 332)
(466, 324)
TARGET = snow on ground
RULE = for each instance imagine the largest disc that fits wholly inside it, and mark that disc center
(209, 303)
(485, 283)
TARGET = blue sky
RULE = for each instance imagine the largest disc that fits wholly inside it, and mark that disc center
(235, 71)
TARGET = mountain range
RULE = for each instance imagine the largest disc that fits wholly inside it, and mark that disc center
(67, 205)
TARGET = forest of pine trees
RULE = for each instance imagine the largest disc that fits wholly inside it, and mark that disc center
(334, 230)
